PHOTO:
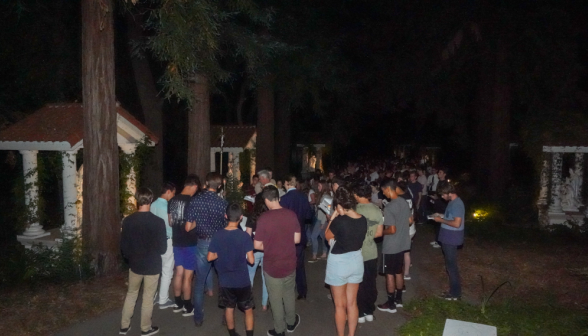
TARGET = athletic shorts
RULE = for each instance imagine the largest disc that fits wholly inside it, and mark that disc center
(393, 263)
(236, 297)
(344, 268)
(185, 257)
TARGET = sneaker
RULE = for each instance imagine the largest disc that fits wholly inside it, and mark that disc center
(449, 297)
(179, 309)
(407, 277)
(168, 304)
(329, 296)
(124, 331)
(313, 260)
(361, 319)
(404, 289)
(387, 307)
(433, 242)
(273, 332)
(436, 245)
(188, 313)
(152, 331)
(293, 327)
(369, 317)
(398, 302)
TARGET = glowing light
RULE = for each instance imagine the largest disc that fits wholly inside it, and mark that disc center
(479, 214)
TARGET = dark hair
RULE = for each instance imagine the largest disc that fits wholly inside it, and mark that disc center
(444, 169)
(192, 180)
(401, 185)
(270, 193)
(389, 183)
(375, 184)
(214, 180)
(446, 188)
(288, 178)
(413, 172)
(167, 186)
(144, 196)
(259, 207)
(338, 180)
(234, 212)
(345, 199)
(254, 176)
(363, 189)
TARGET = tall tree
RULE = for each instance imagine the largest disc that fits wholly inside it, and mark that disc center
(101, 226)
(264, 155)
(199, 135)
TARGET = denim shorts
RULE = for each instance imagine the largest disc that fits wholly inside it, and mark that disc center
(185, 257)
(344, 268)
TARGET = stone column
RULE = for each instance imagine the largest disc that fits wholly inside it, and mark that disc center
(131, 184)
(212, 160)
(579, 171)
(31, 178)
(555, 203)
(70, 192)
(544, 181)
(319, 158)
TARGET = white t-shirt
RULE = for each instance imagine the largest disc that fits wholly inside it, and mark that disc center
(310, 193)
(374, 176)
(432, 182)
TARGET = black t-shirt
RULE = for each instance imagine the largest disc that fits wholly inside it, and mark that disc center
(408, 199)
(349, 233)
(382, 196)
(176, 207)
(143, 241)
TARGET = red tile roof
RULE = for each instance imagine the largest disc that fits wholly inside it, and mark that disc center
(60, 122)
(235, 136)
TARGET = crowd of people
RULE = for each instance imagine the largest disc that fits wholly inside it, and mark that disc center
(361, 219)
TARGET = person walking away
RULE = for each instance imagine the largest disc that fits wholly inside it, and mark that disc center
(403, 191)
(346, 233)
(278, 232)
(317, 236)
(451, 237)
(184, 246)
(159, 209)
(368, 292)
(396, 241)
(298, 202)
(227, 248)
(205, 215)
(143, 241)
(421, 217)
(250, 227)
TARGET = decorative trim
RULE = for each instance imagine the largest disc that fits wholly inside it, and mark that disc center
(565, 149)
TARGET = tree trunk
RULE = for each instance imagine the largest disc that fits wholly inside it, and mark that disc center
(265, 127)
(283, 135)
(199, 129)
(101, 226)
(151, 104)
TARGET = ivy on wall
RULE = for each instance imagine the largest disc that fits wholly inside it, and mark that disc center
(135, 162)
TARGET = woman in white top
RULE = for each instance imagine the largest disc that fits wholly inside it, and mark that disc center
(317, 235)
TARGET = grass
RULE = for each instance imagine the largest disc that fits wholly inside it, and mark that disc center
(429, 314)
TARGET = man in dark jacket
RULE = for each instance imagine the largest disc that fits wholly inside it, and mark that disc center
(143, 241)
(298, 202)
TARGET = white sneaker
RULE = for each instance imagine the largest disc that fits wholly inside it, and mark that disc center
(329, 296)
(433, 242)
(407, 277)
(361, 320)
(167, 304)
(436, 245)
(369, 318)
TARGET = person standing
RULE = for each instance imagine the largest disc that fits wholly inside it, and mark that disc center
(396, 241)
(346, 233)
(205, 215)
(368, 292)
(278, 232)
(298, 202)
(451, 237)
(143, 241)
(184, 244)
(250, 227)
(159, 208)
(227, 248)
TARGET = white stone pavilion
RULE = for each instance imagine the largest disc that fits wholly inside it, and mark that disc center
(560, 198)
(236, 140)
(60, 127)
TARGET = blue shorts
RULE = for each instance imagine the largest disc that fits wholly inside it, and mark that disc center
(344, 268)
(185, 257)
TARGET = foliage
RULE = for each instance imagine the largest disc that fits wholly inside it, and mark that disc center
(486, 297)
(246, 157)
(64, 262)
(510, 318)
(234, 194)
(135, 162)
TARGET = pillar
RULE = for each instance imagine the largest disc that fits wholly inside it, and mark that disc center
(212, 160)
(544, 181)
(70, 192)
(31, 179)
(579, 171)
(555, 202)
(131, 185)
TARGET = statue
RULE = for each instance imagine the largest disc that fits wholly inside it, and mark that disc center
(569, 201)
(576, 183)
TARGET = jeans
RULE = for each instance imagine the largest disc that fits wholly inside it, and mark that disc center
(252, 269)
(300, 271)
(149, 288)
(317, 233)
(283, 301)
(368, 292)
(450, 253)
(203, 271)
(167, 272)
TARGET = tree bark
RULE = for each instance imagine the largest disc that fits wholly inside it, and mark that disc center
(101, 226)
(265, 127)
(199, 129)
(151, 104)
(283, 135)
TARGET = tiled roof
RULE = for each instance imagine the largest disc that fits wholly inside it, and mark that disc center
(60, 122)
(235, 136)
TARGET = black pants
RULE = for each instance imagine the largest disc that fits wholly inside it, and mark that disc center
(368, 293)
(300, 271)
